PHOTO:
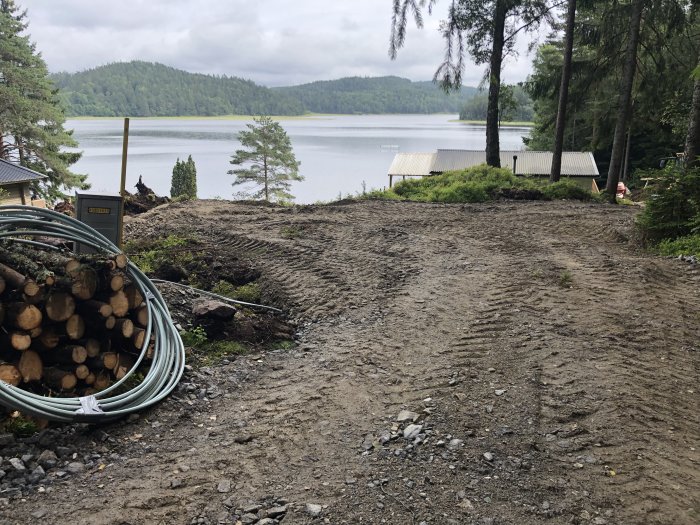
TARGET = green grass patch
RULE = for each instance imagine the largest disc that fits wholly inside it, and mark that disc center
(291, 232)
(566, 189)
(284, 344)
(479, 184)
(566, 280)
(249, 293)
(20, 426)
(149, 255)
(210, 352)
(687, 245)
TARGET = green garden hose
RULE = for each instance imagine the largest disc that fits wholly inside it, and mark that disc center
(25, 224)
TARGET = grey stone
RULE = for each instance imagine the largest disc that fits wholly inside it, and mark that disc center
(37, 474)
(406, 415)
(63, 452)
(251, 509)
(39, 513)
(47, 459)
(75, 467)
(454, 444)
(411, 431)
(26, 458)
(6, 439)
(176, 483)
(277, 511)
(314, 510)
(499, 392)
(224, 486)
(17, 464)
(213, 310)
(384, 437)
(249, 519)
(267, 521)
(488, 456)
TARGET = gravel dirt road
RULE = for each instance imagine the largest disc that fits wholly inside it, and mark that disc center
(490, 364)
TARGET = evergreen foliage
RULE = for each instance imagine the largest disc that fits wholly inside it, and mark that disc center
(31, 117)
(663, 89)
(514, 105)
(673, 207)
(267, 162)
(184, 180)
(144, 89)
(377, 95)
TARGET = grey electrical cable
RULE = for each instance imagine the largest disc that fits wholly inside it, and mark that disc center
(17, 222)
(217, 296)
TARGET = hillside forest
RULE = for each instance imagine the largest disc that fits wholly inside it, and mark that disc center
(144, 89)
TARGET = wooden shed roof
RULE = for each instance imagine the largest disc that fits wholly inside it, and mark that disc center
(574, 163)
(12, 173)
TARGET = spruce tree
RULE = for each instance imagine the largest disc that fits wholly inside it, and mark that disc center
(31, 118)
(184, 179)
(268, 160)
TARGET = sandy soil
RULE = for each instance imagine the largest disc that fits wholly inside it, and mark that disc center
(550, 373)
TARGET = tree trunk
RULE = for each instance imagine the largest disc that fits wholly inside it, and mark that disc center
(493, 153)
(692, 142)
(267, 196)
(555, 174)
(624, 104)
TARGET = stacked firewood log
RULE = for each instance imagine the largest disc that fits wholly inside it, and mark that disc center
(69, 324)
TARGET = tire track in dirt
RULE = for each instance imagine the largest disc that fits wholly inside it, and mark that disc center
(539, 336)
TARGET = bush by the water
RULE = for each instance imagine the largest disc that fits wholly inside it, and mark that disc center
(481, 184)
(673, 204)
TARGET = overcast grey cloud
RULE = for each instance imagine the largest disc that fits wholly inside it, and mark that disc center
(272, 42)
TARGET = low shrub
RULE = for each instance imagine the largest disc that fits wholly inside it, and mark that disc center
(687, 245)
(673, 207)
(480, 184)
(566, 189)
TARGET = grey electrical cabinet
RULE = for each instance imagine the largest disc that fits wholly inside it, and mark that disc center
(100, 211)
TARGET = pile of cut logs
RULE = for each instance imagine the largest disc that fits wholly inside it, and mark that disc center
(69, 324)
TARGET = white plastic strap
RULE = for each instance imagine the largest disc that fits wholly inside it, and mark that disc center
(89, 406)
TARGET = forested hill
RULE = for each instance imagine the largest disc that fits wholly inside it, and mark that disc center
(143, 89)
(377, 95)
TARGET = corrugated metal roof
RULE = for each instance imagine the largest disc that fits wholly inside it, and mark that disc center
(573, 163)
(12, 173)
(407, 164)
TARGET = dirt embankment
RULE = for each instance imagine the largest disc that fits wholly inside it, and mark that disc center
(488, 364)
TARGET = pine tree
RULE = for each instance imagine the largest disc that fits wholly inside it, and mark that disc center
(184, 179)
(31, 118)
(269, 161)
(486, 29)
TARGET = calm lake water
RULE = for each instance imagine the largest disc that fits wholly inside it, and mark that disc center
(337, 153)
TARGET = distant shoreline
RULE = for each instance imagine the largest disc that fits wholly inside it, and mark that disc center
(308, 116)
(514, 124)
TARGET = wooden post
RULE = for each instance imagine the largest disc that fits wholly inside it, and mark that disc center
(391, 179)
(122, 187)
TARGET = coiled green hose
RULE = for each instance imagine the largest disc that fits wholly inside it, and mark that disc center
(19, 222)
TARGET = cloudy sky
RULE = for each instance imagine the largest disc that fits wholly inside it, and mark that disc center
(272, 42)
